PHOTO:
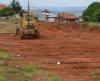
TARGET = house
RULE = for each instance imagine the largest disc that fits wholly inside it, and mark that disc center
(67, 18)
(2, 6)
(46, 16)
(51, 18)
(61, 18)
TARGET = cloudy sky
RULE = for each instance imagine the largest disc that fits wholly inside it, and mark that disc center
(55, 3)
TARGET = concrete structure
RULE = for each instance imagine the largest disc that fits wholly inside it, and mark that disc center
(52, 18)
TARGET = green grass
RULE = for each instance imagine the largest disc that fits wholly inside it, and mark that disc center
(4, 55)
(95, 75)
(94, 24)
(24, 73)
(12, 29)
(53, 78)
(11, 73)
(10, 20)
(90, 23)
(8, 27)
(29, 68)
(28, 72)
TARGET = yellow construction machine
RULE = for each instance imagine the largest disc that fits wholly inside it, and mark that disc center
(27, 26)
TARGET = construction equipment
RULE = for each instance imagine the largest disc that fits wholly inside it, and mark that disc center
(27, 26)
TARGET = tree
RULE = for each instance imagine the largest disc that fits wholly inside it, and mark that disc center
(97, 15)
(6, 12)
(88, 14)
(15, 6)
(21, 13)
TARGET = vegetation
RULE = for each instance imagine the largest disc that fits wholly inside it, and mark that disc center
(6, 12)
(97, 15)
(9, 25)
(13, 9)
(92, 13)
(53, 78)
(15, 6)
(94, 24)
(95, 76)
(10, 72)
(4, 56)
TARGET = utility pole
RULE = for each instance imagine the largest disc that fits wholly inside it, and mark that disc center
(28, 11)
(14, 6)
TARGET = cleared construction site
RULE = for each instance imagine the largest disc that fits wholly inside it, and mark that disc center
(70, 51)
(63, 50)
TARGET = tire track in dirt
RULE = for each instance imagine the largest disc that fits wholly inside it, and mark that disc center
(79, 55)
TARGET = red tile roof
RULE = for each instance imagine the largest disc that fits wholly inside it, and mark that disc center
(68, 16)
(2, 6)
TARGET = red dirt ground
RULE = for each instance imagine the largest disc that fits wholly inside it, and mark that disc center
(77, 50)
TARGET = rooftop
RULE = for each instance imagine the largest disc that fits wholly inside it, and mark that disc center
(2, 6)
(68, 16)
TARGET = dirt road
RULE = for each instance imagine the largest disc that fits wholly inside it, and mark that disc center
(77, 51)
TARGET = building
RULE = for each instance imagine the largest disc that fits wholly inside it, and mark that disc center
(2, 6)
(67, 18)
(61, 18)
(46, 16)
(51, 18)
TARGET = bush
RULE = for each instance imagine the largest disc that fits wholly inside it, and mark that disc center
(5, 56)
(29, 68)
(6, 12)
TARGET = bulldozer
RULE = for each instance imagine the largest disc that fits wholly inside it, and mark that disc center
(27, 27)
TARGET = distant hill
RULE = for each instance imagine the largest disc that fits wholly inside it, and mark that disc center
(71, 10)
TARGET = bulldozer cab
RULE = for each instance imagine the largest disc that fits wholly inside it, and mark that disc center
(28, 17)
(30, 26)
(27, 21)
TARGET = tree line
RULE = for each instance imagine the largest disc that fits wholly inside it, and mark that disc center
(12, 9)
(92, 13)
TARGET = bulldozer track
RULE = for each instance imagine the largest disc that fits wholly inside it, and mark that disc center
(78, 55)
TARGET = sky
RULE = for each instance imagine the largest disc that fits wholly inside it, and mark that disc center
(54, 3)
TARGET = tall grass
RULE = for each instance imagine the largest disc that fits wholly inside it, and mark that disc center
(4, 55)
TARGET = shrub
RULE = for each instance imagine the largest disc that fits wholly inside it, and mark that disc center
(5, 56)
(29, 68)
